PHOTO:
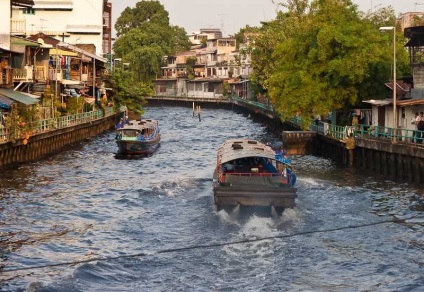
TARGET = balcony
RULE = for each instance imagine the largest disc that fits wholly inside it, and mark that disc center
(25, 74)
(18, 27)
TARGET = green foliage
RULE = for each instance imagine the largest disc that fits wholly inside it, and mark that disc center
(146, 60)
(128, 93)
(144, 13)
(226, 89)
(240, 36)
(145, 36)
(74, 105)
(190, 63)
(322, 56)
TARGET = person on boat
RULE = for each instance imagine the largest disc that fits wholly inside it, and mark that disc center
(127, 120)
(120, 124)
(291, 177)
(281, 153)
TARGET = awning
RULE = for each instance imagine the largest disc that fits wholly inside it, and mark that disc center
(70, 82)
(77, 86)
(18, 96)
(4, 50)
(378, 102)
(410, 102)
(22, 3)
(5, 102)
(62, 53)
(81, 51)
(89, 100)
(14, 40)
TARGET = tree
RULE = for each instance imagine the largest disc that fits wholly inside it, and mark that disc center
(144, 12)
(128, 93)
(144, 37)
(190, 63)
(285, 26)
(322, 58)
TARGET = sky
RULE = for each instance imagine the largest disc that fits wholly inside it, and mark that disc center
(231, 15)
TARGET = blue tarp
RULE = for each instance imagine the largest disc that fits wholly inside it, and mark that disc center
(5, 102)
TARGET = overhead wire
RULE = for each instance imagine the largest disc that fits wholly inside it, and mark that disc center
(203, 246)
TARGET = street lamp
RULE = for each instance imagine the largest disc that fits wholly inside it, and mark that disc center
(394, 79)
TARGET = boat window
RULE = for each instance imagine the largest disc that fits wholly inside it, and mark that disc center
(130, 133)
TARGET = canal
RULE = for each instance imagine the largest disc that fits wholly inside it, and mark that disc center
(84, 220)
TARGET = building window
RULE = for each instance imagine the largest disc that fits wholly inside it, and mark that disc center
(29, 10)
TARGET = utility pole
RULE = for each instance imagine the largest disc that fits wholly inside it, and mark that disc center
(222, 22)
(42, 23)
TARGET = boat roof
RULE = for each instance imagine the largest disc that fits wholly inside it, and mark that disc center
(240, 148)
(140, 125)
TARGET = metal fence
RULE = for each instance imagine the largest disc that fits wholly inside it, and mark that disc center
(380, 132)
(42, 126)
(365, 131)
(254, 103)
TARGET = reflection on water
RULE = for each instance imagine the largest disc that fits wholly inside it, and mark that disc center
(84, 203)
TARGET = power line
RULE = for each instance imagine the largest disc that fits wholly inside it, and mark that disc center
(204, 246)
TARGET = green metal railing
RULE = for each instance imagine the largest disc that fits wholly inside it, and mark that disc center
(254, 103)
(333, 131)
(404, 135)
(42, 126)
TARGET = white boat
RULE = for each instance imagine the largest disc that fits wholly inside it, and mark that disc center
(250, 173)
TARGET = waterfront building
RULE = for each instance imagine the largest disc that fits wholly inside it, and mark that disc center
(53, 46)
(203, 71)
(409, 19)
(409, 96)
(73, 22)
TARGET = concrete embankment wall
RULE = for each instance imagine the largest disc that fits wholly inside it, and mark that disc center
(44, 144)
(399, 161)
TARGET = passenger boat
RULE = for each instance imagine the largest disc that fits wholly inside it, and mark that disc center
(250, 173)
(138, 137)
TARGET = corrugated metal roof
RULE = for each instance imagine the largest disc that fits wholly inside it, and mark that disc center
(81, 51)
(22, 3)
(239, 148)
(400, 103)
(14, 40)
(18, 96)
(400, 86)
(410, 102)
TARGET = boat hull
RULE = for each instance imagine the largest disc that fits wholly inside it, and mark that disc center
(251, 195)
(137, 147)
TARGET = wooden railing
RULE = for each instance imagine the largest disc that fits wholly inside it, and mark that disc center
(18, 26)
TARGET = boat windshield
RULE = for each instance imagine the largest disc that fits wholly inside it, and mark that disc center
(130, 133)
(251, 165)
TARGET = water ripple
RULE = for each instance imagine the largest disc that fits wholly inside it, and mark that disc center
(86, 203)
